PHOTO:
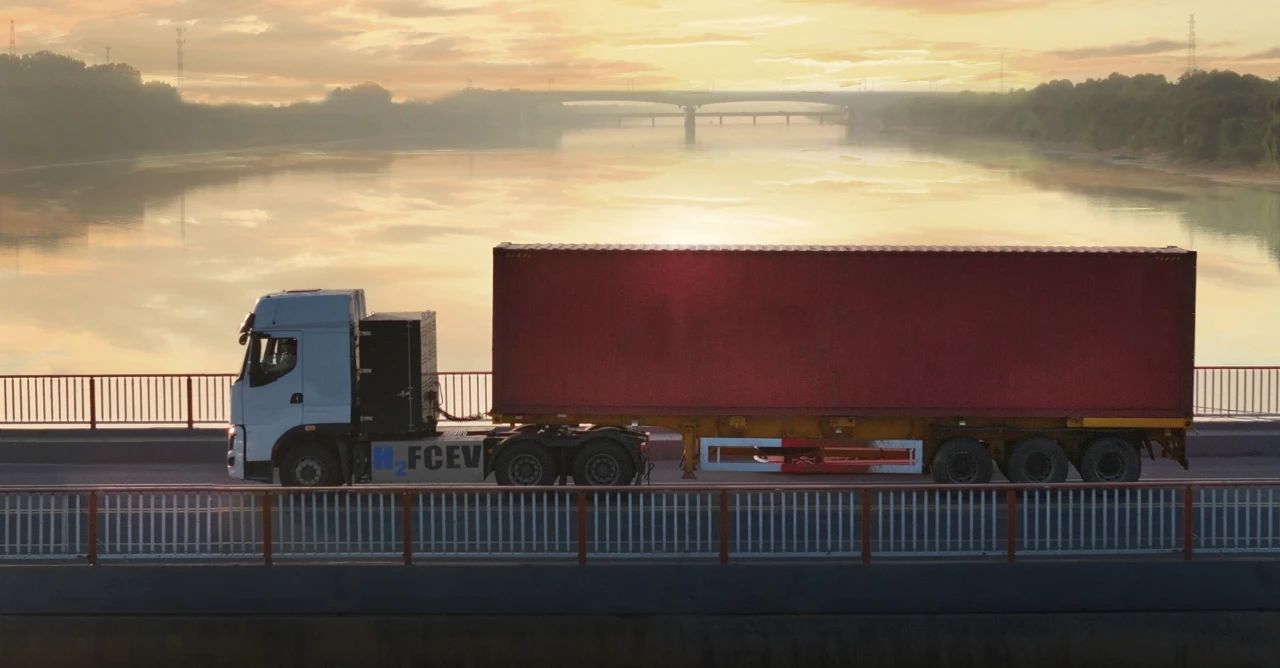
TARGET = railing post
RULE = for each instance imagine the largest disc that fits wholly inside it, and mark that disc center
(191, 402)
(1188, 524)
(866, 526)
(406, 528)
(582, 528)
(91, 552)
(1011, 510)
(266, 528)
(93, 403)
(724, 527)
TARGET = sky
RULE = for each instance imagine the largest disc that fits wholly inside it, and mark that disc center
(281, 50)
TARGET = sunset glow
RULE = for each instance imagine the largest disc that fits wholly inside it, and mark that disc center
(279, 50)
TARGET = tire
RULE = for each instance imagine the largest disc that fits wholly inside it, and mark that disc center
(1111, 459)
(310, 465)
(603, 463)
(524, 463)
(961, 461)
(1037, 460)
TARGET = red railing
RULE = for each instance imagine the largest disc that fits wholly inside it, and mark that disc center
(204, 399)
(721, 523)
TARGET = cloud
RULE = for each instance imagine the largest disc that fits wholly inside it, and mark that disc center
(943, 6)
(1269, 54)
(753, 24)
(418, 9)
(1149, 47)
(249, 25)
(705, 39)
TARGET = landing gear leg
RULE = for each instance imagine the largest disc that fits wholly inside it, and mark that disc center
(689, 459)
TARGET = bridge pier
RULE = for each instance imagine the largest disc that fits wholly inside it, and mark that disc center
(690, 124)
(753, 120)
(788, 119)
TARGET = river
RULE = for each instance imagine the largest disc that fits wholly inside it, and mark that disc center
(149, 265)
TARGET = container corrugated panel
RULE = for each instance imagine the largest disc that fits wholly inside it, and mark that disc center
(849, 330)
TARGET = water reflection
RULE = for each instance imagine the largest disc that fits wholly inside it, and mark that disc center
(148, 266)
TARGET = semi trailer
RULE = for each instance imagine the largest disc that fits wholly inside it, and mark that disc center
(1030, 360)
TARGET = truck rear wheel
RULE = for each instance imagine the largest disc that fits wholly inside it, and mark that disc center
(310, 465)
(1037, 460)
(603, 463)
(524, 463)
(961, 461)
(1111, 459)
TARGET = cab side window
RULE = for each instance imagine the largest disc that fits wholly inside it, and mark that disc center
(270, 358)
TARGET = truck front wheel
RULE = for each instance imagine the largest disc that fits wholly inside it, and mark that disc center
(310, 465)
(603, 463)
(961, 461)
(525, 462)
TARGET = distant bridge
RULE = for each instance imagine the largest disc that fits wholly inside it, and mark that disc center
(524, 102)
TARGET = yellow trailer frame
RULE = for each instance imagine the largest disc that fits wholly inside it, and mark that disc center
(996, 433)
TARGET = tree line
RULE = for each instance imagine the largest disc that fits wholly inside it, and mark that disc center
(1218, 116)
(54, 108)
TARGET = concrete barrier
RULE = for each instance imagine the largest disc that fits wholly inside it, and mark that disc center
(1076, 640)
(976, 614)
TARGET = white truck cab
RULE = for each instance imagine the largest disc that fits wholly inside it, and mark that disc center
(328, 394)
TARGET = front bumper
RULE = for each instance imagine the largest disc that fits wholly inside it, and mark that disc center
(235, 452)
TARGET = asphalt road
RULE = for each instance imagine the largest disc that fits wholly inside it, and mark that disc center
(1229, 450)
(667, 472)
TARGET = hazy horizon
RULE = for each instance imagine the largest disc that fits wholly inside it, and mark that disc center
(286, 50)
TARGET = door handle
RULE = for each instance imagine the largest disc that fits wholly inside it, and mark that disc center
(296, 398)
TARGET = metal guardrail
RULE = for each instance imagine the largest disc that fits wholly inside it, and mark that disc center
(199, 399)
(725, 524)
(1237, 391)
(169, 399)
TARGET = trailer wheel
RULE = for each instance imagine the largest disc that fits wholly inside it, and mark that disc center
(310, 464)
(1110, 459)
(603, 463)
(1037, 460)
(961, 461)
(524, 463)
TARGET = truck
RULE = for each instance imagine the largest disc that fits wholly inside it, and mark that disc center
(958, 360)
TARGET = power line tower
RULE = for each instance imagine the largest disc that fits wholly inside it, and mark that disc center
(1002, 73)
(181, 41)
(13, 41)
(1191, 46)
(107, 48)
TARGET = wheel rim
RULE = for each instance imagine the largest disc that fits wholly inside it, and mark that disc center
(601, 469)
(964, 467)
(525, 470)
(308, 471)
(1038, 468)
(1111, 467)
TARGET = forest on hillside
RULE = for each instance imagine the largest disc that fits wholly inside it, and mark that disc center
(1219, 116)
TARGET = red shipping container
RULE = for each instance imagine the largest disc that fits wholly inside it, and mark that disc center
(846, 331)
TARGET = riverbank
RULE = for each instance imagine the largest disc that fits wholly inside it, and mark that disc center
(1236, 175)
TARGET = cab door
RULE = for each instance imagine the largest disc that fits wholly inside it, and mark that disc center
(273, 393)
